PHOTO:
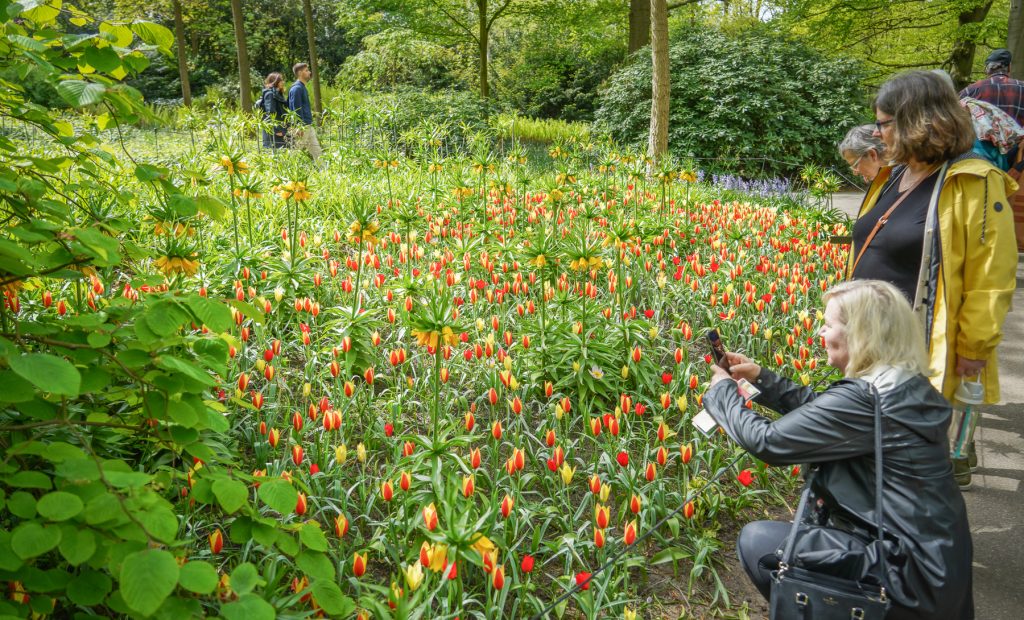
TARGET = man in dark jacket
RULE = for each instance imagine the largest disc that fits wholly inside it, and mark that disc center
(303, 136)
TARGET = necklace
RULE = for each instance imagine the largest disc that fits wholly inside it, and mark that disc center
(906, 182)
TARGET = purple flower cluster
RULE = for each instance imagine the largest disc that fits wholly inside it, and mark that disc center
(757, 187)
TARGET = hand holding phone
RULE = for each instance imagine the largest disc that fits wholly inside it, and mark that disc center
(718, 350)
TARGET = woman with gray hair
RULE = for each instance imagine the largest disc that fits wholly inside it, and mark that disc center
(873, 338)
(863, 151)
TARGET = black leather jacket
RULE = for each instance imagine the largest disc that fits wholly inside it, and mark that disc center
(925, 519)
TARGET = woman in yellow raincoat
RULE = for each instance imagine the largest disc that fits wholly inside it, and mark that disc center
(938, 225)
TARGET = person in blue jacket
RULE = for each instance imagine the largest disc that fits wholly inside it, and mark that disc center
(303, 136)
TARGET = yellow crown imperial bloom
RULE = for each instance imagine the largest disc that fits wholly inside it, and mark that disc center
(540, 260)
(227, 164)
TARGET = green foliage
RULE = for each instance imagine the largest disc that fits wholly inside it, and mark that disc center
(396, 58)
(542, 131)
(752, 103)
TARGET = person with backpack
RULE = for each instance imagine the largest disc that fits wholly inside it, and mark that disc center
(273, 106)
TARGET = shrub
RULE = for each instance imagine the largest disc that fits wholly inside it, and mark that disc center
(396, 58)
(543, 131)
(753, 103)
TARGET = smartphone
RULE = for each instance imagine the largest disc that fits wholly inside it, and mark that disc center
(704, 422)
(718, 350)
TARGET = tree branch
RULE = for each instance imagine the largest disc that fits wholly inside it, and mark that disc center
(678, 4)
(455, 20)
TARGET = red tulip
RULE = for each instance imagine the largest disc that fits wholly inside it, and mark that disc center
(688, 510)
(470, 421)
(629, 534)
(527, 564)
(498, 578)
(650, 472)
(300, 505)
(745, 477)
(297, 454)
(623, 458)
(474, 458)
(340, 526)
(686, 453)
(405, 481)
(506, 506)
(635, 503)
(583, 581)
(387, 491)
(216, 541)
(430, 517)
(496, 429)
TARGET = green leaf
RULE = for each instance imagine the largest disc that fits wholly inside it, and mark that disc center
(127, 479)
(315, 563)
(672, 554)
(47, 372)
(9, 561)
(244, 578)
(169, 362)
(102, 59)
(29, 480)
(59, 506)
(147, 578)
(34, 539)
(216, 208)
(22, 504)
(230, 493)
(14, 389)
(249, 607)
(148, 172)
(313, 537)
(198, 577)
(77, 545)
(79, 93)
(89, 588)
(121, 36)
(215, 315)
(154, 34)
(328, 595)
(280, 495)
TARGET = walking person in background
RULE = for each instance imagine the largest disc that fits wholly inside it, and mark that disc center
(274, 106)
(303, 136)
(999, 88)
(863, 151)
(938, 225)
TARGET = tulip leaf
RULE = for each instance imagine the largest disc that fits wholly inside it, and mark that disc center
(280, 495)
(147, 578)
(248, 607)
(313, 537)
(198, 577)
(49, 373)
(59, 506)
(230, 493)
(244, 578)
(34, 539)
(328, 595)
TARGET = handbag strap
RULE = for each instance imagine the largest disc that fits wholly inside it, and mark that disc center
(882, 221)
(787, 554)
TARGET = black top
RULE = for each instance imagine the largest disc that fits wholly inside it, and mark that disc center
(894, 255)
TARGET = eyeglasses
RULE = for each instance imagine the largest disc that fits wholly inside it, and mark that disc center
(856, 162)
(880, 124)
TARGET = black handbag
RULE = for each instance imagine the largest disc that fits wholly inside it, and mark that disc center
(798, 593)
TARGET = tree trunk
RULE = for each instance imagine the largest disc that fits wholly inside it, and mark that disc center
(1015, 39)
(657, 144)
(961, 59)
(243, 56)
(307, 8)
(483, 34)
(639, 24)
(179, 40)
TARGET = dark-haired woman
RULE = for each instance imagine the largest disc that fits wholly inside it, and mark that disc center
(938, 226)
(274, 106)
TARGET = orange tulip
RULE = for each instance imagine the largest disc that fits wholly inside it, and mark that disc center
(629, 535)
(300, 505)
(430, 517)
(358, 564)
(468, 485)
(506, 506)
(216, 541)
(498, 578)
(387, 491)
(602, 515)
(340, 526)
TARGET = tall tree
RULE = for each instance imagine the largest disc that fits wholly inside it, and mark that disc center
(243, 55)
(450, 21)
(657, 144)
(961, 57)
(639, 24)
(307, 8)
(1015, 38)
(179, 40)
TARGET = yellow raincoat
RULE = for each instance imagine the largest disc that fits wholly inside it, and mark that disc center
(976, 259)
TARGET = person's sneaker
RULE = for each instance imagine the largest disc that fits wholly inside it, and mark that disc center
(972, 457)
(962, 473)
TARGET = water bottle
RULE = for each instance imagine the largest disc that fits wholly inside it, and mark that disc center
(965, 418)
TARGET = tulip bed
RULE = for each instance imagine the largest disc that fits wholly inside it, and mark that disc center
(410, 386)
